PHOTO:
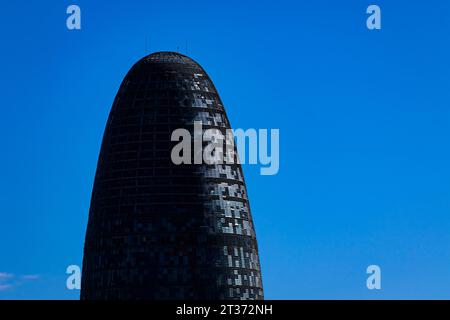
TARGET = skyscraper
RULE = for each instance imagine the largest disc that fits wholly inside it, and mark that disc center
(158, 230)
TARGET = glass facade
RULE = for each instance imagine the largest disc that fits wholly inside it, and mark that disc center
(158, 230)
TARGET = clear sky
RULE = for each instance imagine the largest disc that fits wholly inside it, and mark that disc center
(364, 125)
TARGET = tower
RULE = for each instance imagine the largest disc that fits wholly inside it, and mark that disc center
(158, 230)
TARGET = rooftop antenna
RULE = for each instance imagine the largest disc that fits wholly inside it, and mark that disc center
(146, 44)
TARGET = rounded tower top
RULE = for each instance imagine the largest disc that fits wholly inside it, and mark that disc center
(168, 57)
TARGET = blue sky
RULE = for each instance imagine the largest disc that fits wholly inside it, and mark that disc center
(364, 125)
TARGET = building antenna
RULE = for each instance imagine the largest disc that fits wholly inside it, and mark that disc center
(146, 46)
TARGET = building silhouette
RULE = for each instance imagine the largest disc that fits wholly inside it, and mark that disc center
(158, 230)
